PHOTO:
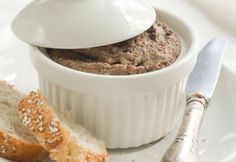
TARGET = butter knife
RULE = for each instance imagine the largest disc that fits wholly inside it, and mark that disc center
(199, 90)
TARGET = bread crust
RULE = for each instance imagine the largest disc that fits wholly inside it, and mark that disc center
(16, 149)
(38, 116)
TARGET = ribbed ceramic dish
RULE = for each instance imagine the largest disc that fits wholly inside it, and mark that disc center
(124, 111)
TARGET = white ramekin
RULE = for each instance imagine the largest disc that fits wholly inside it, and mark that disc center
(124, 111)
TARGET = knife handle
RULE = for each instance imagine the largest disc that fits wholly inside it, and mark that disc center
(184, 148)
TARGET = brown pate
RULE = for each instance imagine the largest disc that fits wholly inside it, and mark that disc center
(154, 49)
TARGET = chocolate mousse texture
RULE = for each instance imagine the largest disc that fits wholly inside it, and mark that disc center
(152, 50)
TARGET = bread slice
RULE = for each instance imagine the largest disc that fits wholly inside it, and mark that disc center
(65, 141)
(16, 142)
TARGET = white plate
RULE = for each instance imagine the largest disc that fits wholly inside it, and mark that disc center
(218, 136)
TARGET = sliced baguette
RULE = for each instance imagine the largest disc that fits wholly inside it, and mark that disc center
(16, 142)
(66, 142)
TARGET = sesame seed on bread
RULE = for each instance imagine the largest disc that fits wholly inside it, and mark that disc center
(65, 141)
(16, 142)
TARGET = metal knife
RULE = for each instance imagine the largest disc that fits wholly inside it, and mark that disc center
(199, 90)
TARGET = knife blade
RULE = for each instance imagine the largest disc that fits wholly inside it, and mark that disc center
(205, 74)
(199, 90)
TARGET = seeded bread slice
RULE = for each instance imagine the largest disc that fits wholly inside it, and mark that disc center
(65, 141)
(16, 142)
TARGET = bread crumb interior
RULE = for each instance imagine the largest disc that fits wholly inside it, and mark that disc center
(9, 119)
